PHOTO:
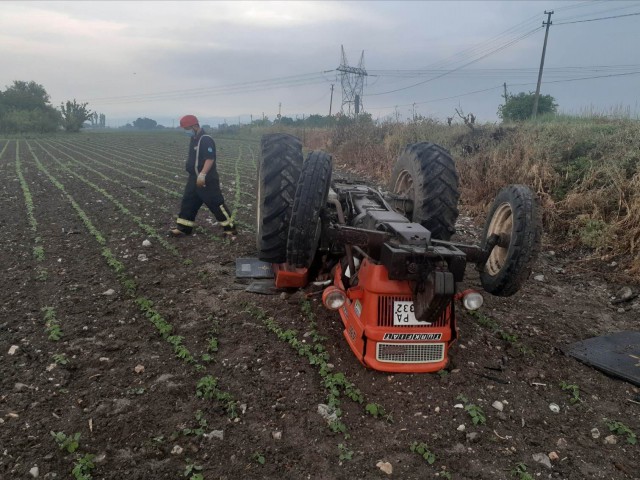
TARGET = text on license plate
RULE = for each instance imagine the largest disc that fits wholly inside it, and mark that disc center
(403, 314)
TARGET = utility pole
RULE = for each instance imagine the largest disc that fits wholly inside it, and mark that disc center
(544, 49)
(331, 100)
(506, 95)
(414, 112)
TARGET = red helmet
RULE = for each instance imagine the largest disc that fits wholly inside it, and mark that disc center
(189, 121)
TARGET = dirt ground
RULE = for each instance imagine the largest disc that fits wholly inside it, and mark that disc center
(139, 401)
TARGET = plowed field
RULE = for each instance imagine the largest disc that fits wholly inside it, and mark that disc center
(166, 368)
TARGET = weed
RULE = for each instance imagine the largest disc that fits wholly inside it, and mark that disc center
(60, 358)
(258, 457)
(520, 471)
(83, 466)
(620, 428)
(64, 442)
(422, 449)
(187, 262)
(573, 390)
(200, 429)
(345, 453)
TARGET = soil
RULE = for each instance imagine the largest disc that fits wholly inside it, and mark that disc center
(135, 403)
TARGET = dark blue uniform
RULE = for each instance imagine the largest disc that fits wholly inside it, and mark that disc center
(203, 147)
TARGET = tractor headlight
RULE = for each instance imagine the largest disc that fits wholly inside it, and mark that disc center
(472, 300)
(333, 298)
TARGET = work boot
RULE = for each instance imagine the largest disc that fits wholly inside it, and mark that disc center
(230, 232)
(176, 232)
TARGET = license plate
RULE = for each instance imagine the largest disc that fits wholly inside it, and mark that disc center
(403, 314)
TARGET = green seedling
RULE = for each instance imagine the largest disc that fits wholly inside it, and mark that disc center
(83, 466)
(573, 390)
(51, 323)
(345, 453)
(422, 449)
(620, 428)
(520, 471)
(376, 410)
(60, 359)
(192, 470)
(475, 412)
(259, 457)
(64, 442)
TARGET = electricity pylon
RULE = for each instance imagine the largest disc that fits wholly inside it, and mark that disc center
(352, 79)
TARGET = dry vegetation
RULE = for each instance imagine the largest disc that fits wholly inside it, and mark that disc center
(586, 172)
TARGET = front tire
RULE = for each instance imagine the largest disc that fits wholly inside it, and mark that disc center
(278, 172)
(426, 174)
(515, 216)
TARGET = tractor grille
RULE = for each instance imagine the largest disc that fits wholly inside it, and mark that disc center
(410, 352)
(385, 313)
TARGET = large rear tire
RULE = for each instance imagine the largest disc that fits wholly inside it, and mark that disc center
(311, 197)
(515, 217)
(426, 174)
(278, 173)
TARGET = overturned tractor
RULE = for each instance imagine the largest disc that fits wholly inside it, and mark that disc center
(390, 269)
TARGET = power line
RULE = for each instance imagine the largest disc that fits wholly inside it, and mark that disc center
(596, 19)
(522, 37)
(501, 86)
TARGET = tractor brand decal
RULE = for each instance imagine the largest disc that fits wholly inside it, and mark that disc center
(412, 336)
(352, 332)
(357, 306)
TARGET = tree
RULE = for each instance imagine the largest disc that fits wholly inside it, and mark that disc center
(74, 114)
(145, 123)
(24, 107)
(519, 107)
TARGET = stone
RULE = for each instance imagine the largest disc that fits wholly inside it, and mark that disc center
(219, 434)
(554, 407)
(139, 368)
(142, 257)
(34, 472)
(146, 243)
(458, 448)
(561, 443)
(542, 458)
(610, 440)
(539, 278)
(458, 405)
(18, 387)
(625, 294)
(473, 437)
(327, 413)
(553, 456)
(276, 435)
(386, 467)
(12, 350)
(461, 428)
(595, 433)
(177, 450)
(109, 292)
(498, 405)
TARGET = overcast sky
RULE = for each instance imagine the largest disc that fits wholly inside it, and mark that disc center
(235, 59)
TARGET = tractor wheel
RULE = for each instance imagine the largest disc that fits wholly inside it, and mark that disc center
(311, 197)
(515, 217)
(278, 172)
(426, 174)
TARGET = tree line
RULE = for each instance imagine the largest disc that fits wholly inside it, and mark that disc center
(25, 107)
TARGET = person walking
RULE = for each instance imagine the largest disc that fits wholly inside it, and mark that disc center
(203, 184)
